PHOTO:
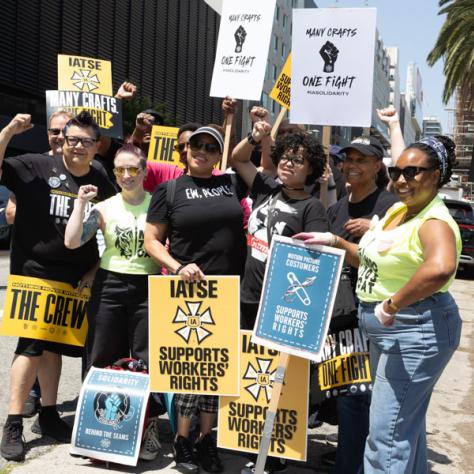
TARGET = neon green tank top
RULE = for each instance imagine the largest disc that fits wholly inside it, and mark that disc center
(389, 258)
(124, 236)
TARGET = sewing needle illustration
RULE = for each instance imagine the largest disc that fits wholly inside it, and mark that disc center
(297, 288)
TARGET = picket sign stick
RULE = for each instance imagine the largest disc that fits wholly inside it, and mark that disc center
(266, 438)
(323, 190)
(278, 121)
(228, 130)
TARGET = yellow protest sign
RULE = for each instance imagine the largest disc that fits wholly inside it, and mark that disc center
(162, 142)
(78, 73)
(241, 419)
(281, 91)
(194, 335)
(46, 310)
(344, 367)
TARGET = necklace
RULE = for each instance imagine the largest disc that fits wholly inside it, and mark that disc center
(293, 189)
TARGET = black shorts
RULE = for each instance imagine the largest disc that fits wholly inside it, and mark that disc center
(35, 347)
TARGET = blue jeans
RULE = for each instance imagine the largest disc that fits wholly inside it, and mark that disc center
(406, 361)
(353, 421)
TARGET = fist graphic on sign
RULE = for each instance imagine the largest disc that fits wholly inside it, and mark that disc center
(329, 54)
(239, 36)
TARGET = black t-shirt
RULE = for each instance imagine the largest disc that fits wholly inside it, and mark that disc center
(45, 191)
(274, 213)
(340, 212)
(107, 160)
(204, 222)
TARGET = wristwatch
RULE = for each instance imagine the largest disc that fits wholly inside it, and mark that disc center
(252, 140)
(393, 307)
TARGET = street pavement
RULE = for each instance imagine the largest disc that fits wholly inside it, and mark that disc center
(450, 418)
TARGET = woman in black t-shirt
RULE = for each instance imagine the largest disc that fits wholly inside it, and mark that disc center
(281, 208)
(202, 217)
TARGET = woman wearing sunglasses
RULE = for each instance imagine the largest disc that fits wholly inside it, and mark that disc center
(407, 261)
(118, 308)
(349, 218)
(203, 222)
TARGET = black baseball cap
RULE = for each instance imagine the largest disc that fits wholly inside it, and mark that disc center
(368, 146)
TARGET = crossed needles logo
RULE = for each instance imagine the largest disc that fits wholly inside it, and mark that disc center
(84, 81)
(262, 377)
(194, 321)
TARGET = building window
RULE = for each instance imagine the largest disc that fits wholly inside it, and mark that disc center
(274, 104)
(285, 22)
(283, 50)
(275, 72)
(275, 43)
(277, 13)
(265, 100)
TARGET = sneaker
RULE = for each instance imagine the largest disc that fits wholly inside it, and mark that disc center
(184, 456)
(50, 424)
(150, 444)
(207, 456)
(12, 446)
(32, 406)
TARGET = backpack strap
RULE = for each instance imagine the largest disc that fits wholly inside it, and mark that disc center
(170, 193)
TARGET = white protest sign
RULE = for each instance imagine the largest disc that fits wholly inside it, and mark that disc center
(242, 49)
(333, 66)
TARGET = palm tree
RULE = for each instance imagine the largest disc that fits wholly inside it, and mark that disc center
(455, 44)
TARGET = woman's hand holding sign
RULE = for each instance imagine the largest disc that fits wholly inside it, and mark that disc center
(190, 272)
(321, 238)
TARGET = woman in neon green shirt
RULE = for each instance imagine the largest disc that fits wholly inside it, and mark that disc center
(406, 263)
(118, 308)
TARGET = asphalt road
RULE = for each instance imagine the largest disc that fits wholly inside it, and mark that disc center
(450, 418)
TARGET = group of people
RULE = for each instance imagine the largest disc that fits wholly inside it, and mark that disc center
(402, 249)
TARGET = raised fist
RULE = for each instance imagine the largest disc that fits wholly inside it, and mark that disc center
(239, 36)
(112, 406)
(329, 54)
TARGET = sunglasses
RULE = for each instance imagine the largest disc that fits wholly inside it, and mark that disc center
(179, 147)
(408, 173)
(56, 131)
(293, 159)
(208, 147)
(86, 142)
(132, 170)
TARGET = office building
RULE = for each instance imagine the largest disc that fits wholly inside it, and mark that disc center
(165, 47)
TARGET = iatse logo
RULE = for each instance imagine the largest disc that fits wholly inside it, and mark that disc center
(194, 321)
(262, 377)
(84, 81)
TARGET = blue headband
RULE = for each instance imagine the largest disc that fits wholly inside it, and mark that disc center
(441, 153)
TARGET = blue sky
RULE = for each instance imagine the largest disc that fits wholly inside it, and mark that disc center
(412, 26)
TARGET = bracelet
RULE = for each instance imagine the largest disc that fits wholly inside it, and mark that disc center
(392, 305)
(335, 240)
(252, 140)
(179, 269)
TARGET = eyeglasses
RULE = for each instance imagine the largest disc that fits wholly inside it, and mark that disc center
(132, 170)
(208, 147)
(408, 173)
(179, 147)
(85, 141)
(56, 131)
(294, 159)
